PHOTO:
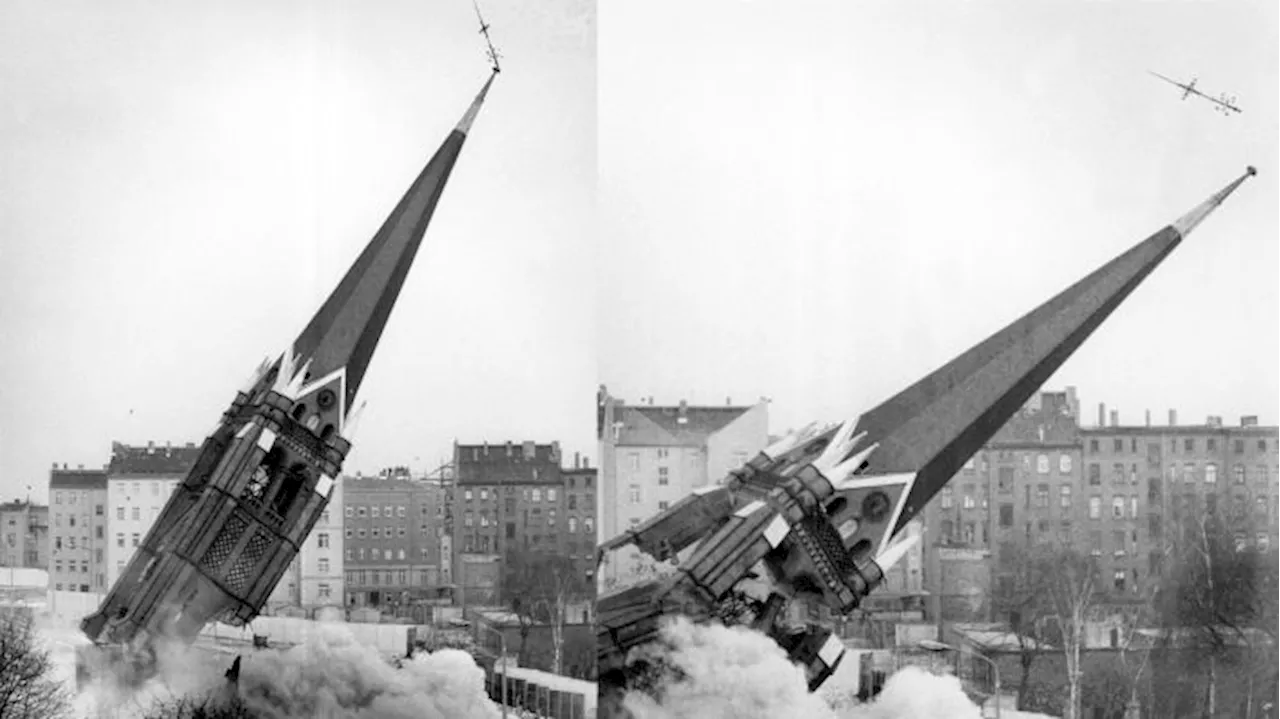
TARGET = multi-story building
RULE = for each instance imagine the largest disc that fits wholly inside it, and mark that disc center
(508, 498)
(79, 528)
(26, 535)
(1020, 489)
(1143, 481)
(653, 456)
(580, 515)
(140, 481)
(390, 552)
(1112, 491)
(315, 579)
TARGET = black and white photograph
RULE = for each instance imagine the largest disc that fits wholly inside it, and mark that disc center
(934, 350)
(298, 329)
(938, 353)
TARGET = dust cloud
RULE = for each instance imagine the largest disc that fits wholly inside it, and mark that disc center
(330, 676)
(735, 673)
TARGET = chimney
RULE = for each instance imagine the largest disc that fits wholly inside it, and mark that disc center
(64, 465)
(1249, 420)
(151, 444)
(1214, 420)
(1073, 402)
(586, 463)
(55, 465)
(1173, 418)
(575, 461)
(1115, 418)
(80, 466)
(1102, 414)
(728, 401)
(191, 445)
(683, 416)
(1148, 418)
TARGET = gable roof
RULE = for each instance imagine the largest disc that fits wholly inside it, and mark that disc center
(663, 426)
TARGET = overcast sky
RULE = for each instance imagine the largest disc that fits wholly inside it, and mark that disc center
(823, 201)
(183, 183)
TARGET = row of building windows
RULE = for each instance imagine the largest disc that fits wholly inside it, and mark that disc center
(76, 587)
(70, 542)
(386, 511)
(72, 567)
(1262, 503)
(71, 520)
(158, 487)
(1043, 463)
(373, 577)
(1188, 445)
(376, 554)
(379, 532)
(70, 497)
(510, 504)
(1239, 473)
(484, 543)
(530, 494)
(135, 513)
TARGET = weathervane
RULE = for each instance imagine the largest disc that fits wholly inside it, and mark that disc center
(1224, 104)
(491, 52)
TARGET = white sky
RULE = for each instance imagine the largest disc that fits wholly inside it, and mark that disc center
(820, 202)
(817, 202)
(183, 183)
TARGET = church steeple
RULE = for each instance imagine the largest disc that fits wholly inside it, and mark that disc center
(335, 348)
(924, 434)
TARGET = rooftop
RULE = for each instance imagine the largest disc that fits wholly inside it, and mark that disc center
(507, 463)
(77, 478)
(681, 426)
(151, 460)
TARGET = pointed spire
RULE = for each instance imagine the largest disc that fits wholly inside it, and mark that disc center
(342, 335)
(469, 117)
(931, 428)
(1185, 224)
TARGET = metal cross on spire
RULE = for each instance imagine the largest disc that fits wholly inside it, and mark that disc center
(490, 51)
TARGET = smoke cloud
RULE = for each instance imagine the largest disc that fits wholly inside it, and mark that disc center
(330, 676)
(334, 676)
(733, 672)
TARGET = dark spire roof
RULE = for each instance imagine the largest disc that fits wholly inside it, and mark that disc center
(347, 328)
(934, 426)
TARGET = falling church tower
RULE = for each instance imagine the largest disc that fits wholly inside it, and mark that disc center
(823, 512)
(264, 476)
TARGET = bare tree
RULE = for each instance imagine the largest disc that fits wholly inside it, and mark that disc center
(1070, 584)
(1135, 649)
(201, 708)
(27, 690)
(539, 589)
(1220, 603)
(1023, 600)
